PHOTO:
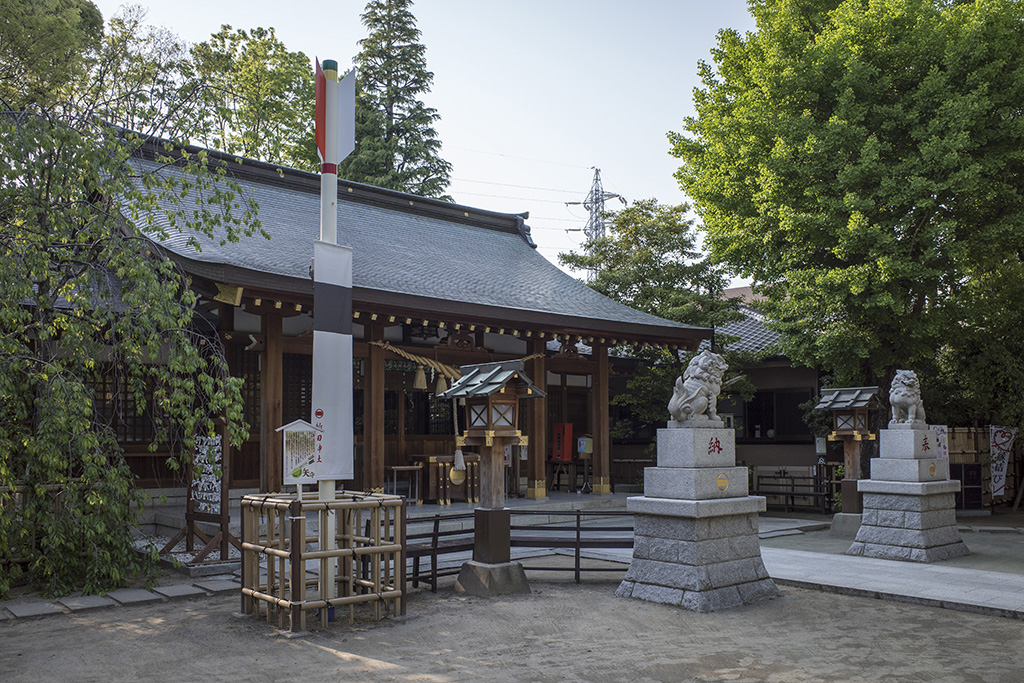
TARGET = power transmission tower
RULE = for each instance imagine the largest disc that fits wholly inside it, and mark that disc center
(594, 204)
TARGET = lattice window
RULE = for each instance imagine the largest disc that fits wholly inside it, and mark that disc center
(440, 416)
(297, 392)
(247, 366)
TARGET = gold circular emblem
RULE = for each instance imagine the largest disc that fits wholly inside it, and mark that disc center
(931, 470)
(457, 477)
(723, 481)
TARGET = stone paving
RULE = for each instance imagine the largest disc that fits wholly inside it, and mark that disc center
(30, 606)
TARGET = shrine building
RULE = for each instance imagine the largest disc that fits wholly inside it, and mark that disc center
(436, 286)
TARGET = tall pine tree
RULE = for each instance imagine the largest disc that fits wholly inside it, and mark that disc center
(396, 143)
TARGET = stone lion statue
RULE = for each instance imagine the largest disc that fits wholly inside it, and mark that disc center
(696, 393)
(905, 398)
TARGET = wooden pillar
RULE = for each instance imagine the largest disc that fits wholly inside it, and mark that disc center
(271, 403)
(373, 413)
(537, 425)
(599, 421)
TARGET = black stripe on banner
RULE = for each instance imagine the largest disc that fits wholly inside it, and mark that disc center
(332, 308)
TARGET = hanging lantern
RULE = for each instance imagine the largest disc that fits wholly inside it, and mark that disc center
(420, 381)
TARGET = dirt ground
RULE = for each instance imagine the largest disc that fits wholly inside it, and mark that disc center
(560, 632)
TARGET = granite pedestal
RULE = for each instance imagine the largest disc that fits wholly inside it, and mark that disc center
(695, 527)
(909, 504)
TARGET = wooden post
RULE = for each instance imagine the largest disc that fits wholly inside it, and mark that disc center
(271, 388)
(537, 426)
(250, 560)
(402, 514)
(492, 484)
(599, 421)
(373, 413)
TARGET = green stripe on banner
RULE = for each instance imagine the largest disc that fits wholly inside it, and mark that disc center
(332, 308)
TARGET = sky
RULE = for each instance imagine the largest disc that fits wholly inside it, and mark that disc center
(533, 94)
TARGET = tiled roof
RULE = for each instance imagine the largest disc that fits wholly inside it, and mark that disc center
(848, 397)
(432, 251)
(753, 336)
(488, 378)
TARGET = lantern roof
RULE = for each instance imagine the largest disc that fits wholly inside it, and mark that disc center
(847, 398)
(489, 378)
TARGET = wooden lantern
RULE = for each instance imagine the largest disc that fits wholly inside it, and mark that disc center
(492, 392)
(850, 406)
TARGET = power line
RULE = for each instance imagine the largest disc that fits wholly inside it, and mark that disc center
(503, 196)
(523, 187)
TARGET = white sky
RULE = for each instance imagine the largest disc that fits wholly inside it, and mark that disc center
(532, 93)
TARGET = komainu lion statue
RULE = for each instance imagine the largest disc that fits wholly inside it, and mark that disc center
(905, 398)
(696, 392)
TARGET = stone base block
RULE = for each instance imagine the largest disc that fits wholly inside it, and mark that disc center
(893, 552)
(486, 580)
(845, 525)
(673, 507)
(695, 529)
(908, 519)
(701, 601)
(907, 443)
(704, 552)
(702, 447)
(702, 564)
(695, 483)
(920, 504)
(908, 538)
(914, 528)
(919, 469)
(907, 488)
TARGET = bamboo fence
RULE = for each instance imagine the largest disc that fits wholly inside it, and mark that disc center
(367, 554)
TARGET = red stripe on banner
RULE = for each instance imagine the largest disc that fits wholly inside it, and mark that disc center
(329, 168)
(320, 129)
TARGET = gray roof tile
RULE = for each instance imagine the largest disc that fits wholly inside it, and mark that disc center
(409, 253)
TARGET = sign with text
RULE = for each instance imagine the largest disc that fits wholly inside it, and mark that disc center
(301, 440)
(206, 474)
(1001, 445)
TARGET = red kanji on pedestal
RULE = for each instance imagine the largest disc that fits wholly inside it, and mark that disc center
(714, 446)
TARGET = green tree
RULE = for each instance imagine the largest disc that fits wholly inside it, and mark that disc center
(86, 294)
(649, 260)
(396, 143)
(259, 97)
(861, 161)
(45, 42)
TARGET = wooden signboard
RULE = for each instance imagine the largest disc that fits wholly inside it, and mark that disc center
(208, 499)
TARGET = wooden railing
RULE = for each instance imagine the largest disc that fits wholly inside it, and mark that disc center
(438, 542)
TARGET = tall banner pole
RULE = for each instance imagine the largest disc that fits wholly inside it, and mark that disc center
(332, 315)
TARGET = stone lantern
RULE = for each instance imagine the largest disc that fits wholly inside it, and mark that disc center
(492, 392)
(850, 407)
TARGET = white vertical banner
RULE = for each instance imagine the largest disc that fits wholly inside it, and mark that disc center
(332, 360)
(1000, 446)
(942, 440)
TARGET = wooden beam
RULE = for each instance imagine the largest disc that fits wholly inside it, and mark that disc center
(271, 403)
(599, 421)
(537, 424)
